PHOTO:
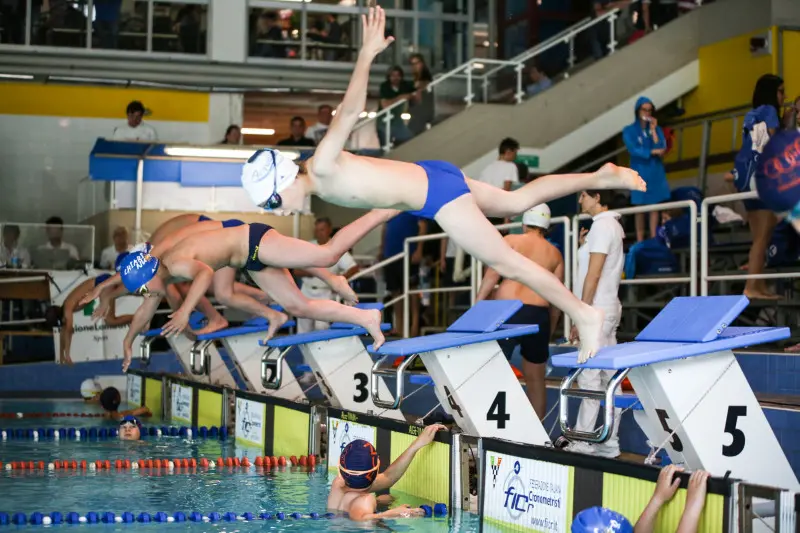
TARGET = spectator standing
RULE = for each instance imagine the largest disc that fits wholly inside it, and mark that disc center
(12, 255)
(318, 130)
(187, 27)
(313, 287)
(108, 256)
(646, 145)
(55, 238)
(502, 173)
(539, 82)
(135, 129)
(600, 33)
(106, 22)
(761, 123)
(600, 262)
(393, 236)
(233, 135)
(421, 104)
(394, 89)
(297, 129)
(268, 29)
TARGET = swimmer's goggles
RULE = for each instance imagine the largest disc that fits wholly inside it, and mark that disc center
(130, 421)
(274, 201)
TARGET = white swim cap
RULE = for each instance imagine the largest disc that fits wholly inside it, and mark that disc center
(537, 216)
(267, 172)
(89, 388)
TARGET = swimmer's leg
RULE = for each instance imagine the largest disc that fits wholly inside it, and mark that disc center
(496, 202)
(280, 251)
(253, 292)
(223, 281)
(278, 283)
(466, 225)
(175, 296)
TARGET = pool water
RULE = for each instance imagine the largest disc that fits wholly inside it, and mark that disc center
(222, 490)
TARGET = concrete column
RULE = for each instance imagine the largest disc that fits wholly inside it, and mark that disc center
(224, 109)
(226, 40)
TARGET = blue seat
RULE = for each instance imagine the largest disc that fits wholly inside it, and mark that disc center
(484, 322)
(341, 332)
(686, 327)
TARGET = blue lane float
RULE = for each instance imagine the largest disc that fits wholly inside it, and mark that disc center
(103, 433)
(37, 518)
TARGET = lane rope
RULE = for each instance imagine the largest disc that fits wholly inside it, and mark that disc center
(100, 433)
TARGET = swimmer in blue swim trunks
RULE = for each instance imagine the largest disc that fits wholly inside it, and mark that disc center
(61, 316)
(265, 254)
(431, 189)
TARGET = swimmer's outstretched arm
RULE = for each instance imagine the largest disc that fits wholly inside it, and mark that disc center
(363, 508)
(355, 98)
(201, 275)
(107, 298)
(141, 319)
(392, 475)
(113, 281)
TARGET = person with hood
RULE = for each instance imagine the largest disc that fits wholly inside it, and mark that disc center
(646, 145)
(760, 124)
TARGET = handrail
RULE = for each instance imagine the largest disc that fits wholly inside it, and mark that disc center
(518, 62)
(692, 279)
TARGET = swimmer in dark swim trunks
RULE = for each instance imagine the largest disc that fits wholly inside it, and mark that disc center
(265, 254)
(535, 309)
(433, 189)
(61, 316)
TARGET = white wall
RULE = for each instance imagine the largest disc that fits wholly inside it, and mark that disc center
(44, 160)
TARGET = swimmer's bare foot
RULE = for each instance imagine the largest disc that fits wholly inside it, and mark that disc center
(762, 295)
(590, 329)
(276, 322)
(373, 326)
(610, 176)
(215, 324)
(340, 286)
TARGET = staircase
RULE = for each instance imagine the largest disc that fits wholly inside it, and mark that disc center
(591, 106)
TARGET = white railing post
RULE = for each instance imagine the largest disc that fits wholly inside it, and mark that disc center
(704, 247)
(693, 251)
(520, 93)
(387, 141)
(612, 39)
(468, 98)
(571, 42)
(486, 89)
(406, 288)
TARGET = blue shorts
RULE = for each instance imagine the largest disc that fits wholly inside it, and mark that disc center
(257, 232)
(445, 183)
(100, 279)
(232, 223)
(203, 218)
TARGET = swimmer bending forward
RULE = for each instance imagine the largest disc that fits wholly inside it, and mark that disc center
(430, 189)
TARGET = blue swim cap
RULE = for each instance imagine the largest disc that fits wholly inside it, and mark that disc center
(778, 172)
(118, 262)
(130, 418)
(137, 269)
(600, 520)
(358, 464)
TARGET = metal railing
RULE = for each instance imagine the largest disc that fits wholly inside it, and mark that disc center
(705, 278)
(691, 279)
(468, 70)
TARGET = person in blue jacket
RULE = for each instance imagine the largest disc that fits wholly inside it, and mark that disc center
(760, 124)
(646, 145)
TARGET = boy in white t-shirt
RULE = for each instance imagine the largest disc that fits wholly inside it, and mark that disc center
(600, 262)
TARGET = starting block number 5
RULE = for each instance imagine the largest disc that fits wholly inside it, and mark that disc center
(738, 438)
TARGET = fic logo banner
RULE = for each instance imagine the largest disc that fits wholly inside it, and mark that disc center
(134, 390)
(250, 422)
(525, 493)
(340, 433)
(181, 403)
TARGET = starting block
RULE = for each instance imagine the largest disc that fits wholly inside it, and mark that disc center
(241, 345)
(473, 380)
(183, 348)
(337, 359)
(702, 408)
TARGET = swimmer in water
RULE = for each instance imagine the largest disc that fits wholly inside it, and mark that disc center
(430, 189)
(61, 316)
(110, 399)
(130, 428)
(353, 490)
(255, 248)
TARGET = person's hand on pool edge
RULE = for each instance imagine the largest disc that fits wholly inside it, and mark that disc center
(427, 436)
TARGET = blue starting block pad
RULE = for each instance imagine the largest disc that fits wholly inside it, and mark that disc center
(484, 322)
(254, 325)
(686, 327)
(340, 332)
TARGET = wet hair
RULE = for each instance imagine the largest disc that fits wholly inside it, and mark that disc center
(135, 107)
(508, 145)
(110, 399)
(766, 91)
(604, 196)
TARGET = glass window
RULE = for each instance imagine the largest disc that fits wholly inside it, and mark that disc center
(179, 28)
(274, 34)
